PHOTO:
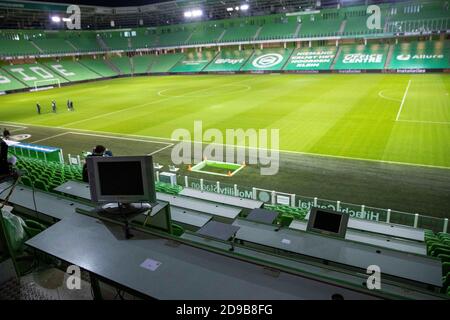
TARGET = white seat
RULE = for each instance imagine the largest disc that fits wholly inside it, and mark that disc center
(173, 169)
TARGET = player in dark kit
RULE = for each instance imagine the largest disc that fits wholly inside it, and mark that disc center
(54, 106)
(38, 108)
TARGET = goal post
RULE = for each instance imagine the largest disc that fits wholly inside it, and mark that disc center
(46, 84)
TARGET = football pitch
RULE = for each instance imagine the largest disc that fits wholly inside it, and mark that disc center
(395, 118)
(374, 139)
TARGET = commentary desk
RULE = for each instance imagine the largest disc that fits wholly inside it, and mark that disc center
(415, 268)
(220, 198)
(374, 239)
(148, 266)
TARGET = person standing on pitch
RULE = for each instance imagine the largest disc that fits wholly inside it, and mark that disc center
(54, 106)
(38, 108)
(71, 105)
(68, 105)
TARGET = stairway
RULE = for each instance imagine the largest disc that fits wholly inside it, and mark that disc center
(132, 65)
(72, 45)
(221, 35)
(36, 46)
(297, 31)
(112, 66)
(342, 27)
(389, 57)
(102, 44)
(257, 33)
(338, 53)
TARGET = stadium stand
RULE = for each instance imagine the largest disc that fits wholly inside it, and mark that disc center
(173, 39)
(244, 32)
(99, 66)
(206, 34)
(267, 59)
(362, 57)
(47, 175)
(34, 74)
(17, 48)
(315, 26)
(72, 70)
(229, 60)
(122, 64)
(115, 41)
(414, 17)
(141, 64)
(144, 41)
(278, 30)
(421, 55)
(56, 45)
(85, 42)
(163, 63)
(9, 83)
(315, 58)
(194, 61)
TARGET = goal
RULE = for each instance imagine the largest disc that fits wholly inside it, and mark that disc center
(46, 84)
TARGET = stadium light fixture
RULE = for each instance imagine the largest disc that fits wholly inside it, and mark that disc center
(245, 7)
(195, 13)
(56, 19)
(230, 9)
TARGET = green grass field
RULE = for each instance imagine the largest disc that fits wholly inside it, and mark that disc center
(330, 125)
(398, 118)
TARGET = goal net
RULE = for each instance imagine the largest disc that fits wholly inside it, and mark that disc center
(46, 84)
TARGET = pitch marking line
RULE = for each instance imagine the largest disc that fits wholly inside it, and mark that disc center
(281, 151)
(381, 95)
(138, 106)
(430, 122)
(51, 137)
(403, 101)
(10, 125)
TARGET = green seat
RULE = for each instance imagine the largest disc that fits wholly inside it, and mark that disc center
(286, 219)
(444, 257)
(26, 181)
(439, 250)
(177, 230)
(446, 268)
(39, 184)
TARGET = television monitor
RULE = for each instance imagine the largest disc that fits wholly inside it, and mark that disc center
(126, 181)
(328, 222)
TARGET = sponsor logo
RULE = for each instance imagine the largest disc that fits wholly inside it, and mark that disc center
(406, 57)
(267, 61)
(20, 137)
(229, 61)
(362, 58)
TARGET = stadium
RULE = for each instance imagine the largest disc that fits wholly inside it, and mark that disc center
(259, 118)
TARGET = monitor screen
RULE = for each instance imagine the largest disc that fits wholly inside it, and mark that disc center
(121, 179)
(328, 222)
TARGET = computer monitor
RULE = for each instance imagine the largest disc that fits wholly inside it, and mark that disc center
(328, 222)
(128, 181)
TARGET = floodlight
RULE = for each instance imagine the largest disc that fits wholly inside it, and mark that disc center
(56, 19)
(245, 7)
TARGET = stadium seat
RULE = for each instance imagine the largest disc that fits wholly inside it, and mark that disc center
(177, 230)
